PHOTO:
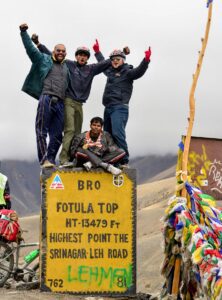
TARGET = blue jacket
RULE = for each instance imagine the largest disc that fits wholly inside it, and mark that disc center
(41, 65)
(119, 85)
(81, 76)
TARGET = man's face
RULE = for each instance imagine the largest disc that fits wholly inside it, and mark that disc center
(117, 61)
(82, 58)
(59, 52)
(96, 128)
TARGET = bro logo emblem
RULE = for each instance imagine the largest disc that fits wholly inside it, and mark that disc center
(118, 180)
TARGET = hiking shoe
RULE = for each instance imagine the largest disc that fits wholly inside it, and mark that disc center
(87, 165)
(124, 166)
(47, 164)
(113, 170)
(66, 164)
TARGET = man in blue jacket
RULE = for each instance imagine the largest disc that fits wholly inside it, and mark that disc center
(81, 77)
(117, 94)
(47, 81)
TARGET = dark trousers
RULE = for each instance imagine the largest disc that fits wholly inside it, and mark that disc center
(115, 120)
(49, 122)
(109, 157)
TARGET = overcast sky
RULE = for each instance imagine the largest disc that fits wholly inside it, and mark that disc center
(159, 106)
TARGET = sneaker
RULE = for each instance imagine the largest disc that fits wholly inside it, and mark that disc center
(47, 164)
(66, 164)
(87, 165)
(124, 166)
(113, 170)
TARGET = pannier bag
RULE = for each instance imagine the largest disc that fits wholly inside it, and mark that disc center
(9, 226)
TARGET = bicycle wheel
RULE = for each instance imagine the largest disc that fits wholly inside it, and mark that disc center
(35, 275)
(6, 262)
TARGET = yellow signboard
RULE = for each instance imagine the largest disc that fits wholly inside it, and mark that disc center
(88, 232)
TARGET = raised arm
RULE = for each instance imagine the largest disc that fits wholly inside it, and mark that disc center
(42, 48)
(98, 54)
(103, 64)
(31, 50)
(143, 66)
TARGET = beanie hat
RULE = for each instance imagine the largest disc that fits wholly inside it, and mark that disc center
(84, 50)
(117, 52)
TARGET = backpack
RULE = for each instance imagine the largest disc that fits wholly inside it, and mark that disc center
(9, 226)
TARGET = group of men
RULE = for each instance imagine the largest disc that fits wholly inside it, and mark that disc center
(62, 86)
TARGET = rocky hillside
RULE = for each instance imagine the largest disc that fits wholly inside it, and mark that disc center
(151, 165)
(24, 185)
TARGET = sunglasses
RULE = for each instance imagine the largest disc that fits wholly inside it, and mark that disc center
(60, 50)
(116, 58)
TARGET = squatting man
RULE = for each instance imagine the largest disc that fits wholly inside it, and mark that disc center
(96, 148)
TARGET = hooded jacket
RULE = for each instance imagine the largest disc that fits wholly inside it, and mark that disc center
(41, 65)
(81, 76)
(119, 85)
(107, 142)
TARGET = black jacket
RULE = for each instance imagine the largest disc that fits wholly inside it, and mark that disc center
(81, 77)
(119, 85)
(107, 142)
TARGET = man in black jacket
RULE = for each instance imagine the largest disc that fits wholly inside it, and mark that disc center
(81, 77)
(96, 148)
(117, 94)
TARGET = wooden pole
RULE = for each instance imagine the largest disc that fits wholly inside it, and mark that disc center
(192, 98)
(176, 279)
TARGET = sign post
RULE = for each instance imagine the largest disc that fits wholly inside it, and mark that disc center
(88, 232)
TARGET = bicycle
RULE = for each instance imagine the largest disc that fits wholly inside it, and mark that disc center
(10, 265)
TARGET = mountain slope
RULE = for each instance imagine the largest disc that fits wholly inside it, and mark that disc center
(25, 186)
(151, 165)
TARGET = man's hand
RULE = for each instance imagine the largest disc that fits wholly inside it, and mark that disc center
(96, 46)
(126, 50)
(23, 27)
(147, 54)
(35, 39)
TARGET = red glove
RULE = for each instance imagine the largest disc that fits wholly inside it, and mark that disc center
(96, 47)
(147, 54)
